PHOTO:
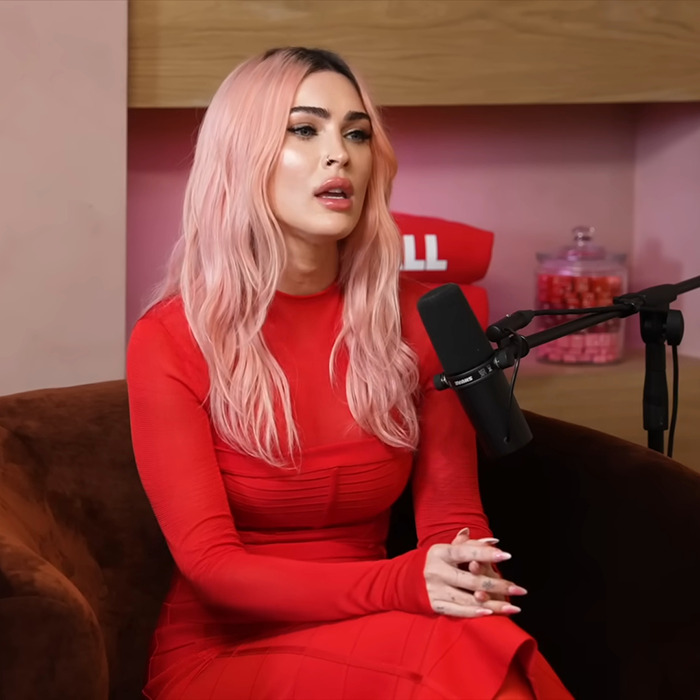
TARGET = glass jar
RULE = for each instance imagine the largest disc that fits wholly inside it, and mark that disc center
(582, 275)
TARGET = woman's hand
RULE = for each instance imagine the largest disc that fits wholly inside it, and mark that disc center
(462, 582)
(479, 568)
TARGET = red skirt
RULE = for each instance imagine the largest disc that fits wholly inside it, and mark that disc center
(386, 656)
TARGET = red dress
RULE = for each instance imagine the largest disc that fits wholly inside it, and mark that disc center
(282, 587)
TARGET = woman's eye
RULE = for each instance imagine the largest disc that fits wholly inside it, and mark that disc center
(359, 135)
(303, 130)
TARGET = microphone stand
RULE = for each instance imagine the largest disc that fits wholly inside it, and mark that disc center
(658, 324)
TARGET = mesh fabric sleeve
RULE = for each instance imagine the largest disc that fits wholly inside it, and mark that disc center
(174, 450)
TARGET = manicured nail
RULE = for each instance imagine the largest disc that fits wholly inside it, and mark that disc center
(516, 590)
(503, 556)
(489, 540)
(464, 531)
(511, 609)
(484, 611)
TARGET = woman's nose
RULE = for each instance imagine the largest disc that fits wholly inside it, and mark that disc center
(336, 153)
(339, 159)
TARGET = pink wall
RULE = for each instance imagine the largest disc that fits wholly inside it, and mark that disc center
(159, 151)
(667, 207)
(528, 173)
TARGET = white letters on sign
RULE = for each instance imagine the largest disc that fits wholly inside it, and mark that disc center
(431, 262)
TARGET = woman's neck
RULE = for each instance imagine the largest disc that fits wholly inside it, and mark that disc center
(309, 270)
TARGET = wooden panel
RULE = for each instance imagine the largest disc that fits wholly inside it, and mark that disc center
(609, 398)
(429, 51)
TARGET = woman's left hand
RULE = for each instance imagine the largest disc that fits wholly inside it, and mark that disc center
(480, 568)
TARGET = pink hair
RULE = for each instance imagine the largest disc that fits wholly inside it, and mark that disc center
(230, 257)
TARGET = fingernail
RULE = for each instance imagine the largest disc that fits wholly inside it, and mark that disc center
(489, 540)
(464, 531)
(503, 556)
(511, 609)
(516, 590)
(484, 611)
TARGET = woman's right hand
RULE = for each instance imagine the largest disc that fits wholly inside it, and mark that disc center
(458, 592)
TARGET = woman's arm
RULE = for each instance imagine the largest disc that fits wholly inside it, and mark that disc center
(174, 449)
(461, 565)
(445, 479)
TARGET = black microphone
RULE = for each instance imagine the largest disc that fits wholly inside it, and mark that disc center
(467, 358)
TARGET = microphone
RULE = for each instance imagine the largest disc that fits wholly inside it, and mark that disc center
(467, 358)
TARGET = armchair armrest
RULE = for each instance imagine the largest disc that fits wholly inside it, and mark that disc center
(51, 640)
(604, 535)
(46, 620)
(70, 484)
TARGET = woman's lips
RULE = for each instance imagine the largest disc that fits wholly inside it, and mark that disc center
(336, 194)
(340, 184)
(335, 203)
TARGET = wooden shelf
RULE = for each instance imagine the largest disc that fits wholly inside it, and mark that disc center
(609, 398)
(441, 52)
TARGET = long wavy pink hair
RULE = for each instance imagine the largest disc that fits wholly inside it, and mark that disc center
(231, 254)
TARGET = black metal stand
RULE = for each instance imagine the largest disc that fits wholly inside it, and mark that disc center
(658, 324)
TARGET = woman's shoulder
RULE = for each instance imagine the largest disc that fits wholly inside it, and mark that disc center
(166, 316)
(170, 312)
(410, 291)
(165, 323)
(412, 329)
(162, 342)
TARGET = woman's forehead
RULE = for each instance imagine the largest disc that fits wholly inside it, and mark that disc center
(329, 91)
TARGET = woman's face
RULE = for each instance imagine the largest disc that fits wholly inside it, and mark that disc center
(320, 178)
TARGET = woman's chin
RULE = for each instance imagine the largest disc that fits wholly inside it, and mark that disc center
(332, 231)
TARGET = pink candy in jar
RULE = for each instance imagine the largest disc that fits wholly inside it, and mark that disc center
(582, 275)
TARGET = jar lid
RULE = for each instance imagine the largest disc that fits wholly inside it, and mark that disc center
(583, 249)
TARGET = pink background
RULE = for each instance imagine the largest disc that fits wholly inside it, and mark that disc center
(527, 173)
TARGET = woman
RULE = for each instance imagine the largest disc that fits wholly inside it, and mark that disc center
(281, 396)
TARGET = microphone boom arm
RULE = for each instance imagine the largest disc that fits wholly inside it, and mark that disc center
(514, 346)
(657, 323)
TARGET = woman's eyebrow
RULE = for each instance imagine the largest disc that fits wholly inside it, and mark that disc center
(356, 116)
(323, 113)
(316, 111)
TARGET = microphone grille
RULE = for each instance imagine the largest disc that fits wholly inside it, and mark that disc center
(453, 329)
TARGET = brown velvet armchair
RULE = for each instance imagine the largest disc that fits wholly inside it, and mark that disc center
(604, 535)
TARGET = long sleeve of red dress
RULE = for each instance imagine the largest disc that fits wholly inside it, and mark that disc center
(182, 467)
